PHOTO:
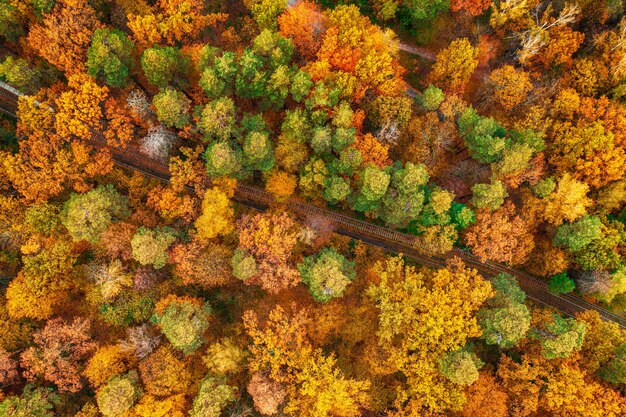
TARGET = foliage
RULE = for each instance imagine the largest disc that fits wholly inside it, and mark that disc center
(118, 395)
(109, 56)
(211, 399)
(327, 274)
(183, 320)
(87, 216)
(34, 402)
(150, 246)
(561, 283)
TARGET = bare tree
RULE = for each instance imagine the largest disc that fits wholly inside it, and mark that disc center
(140, 341)
(138, 102)
(158, 142)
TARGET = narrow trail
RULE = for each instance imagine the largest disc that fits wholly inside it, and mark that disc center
(388, 239)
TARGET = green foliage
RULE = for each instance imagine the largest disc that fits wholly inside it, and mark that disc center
(164, 65)
(327, 274)
(218, 119)
(150, 246)
(266, 12)
(484, 137)
(129, 307)
(42, 218)
(19, 73)
(336, 189)
(244, 265)
(43, 6)
(432, 97)
(426, 9)
(296, 125)
(321, 140)
(460, 367)
(560, 337)
(110, 56)
(86, 216)
(373, 185)
(504, 318)
(544, 187)
(183, 323)
(561, 284)
(301, 85)
(212, 397)
(172, 108)
(258, 152)
(222, 160)
(614, 371)
(576, 236)
(489, 195)
(313, 177)
(461, 215)
(119, 395)
(34, 402)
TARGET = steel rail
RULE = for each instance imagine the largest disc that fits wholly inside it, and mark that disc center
(385, 238)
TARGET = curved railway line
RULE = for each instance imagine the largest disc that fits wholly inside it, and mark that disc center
(385, 238)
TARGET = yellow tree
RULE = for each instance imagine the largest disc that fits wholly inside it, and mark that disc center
(567, 202)
(510, 87)
(454, 66)
(421, 318)
(313, 383)
(218, 215)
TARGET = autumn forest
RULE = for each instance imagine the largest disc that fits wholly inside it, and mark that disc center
(312, 208)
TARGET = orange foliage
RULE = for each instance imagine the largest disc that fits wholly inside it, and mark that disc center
(304, 25)
(372, 150)
(563, 43)
(80, 110)
(108, 361)
(202, 263)
(281, 184)
(45, 165)
(64, 35)
(270, 238)
(473, 7)
(510, 87)
(501, 235)
(485, 398)
(120, 129)
(171, 204)
(163, 374)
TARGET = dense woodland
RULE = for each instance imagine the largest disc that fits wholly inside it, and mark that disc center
(497, 128)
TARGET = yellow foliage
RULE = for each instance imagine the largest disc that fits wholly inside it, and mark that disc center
(217, 218)
(80, 109)
(24, 302)
(108, 361)
(454, 66)
(567, 202)
(281, 184)
(150, 406)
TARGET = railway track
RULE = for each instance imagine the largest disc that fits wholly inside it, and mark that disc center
(385, 238)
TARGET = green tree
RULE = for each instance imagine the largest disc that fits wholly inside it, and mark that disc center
(212, 398)
(149, 246)
(373, 184)
(164, 65)
(87, 216)
(20, 74)
(258, 152)
(183, 320)
(484, 137)
(576, 236)
(327, 274)
(614, 371)
(460, 367)
(119, 395)
(34, 402)
(301, 85)
(544, 187)
(218, 119)
(336, 189)
(426, 9)
(559, 337)
(296, 125)
(461, 215)
(172, 108)
(432, 97)
(489, 195)
(222, 160)
(561, 284)
(266, 12)
(110, 56)
(504, 318)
